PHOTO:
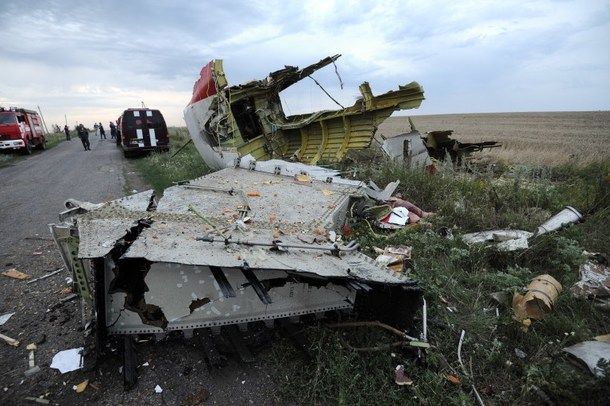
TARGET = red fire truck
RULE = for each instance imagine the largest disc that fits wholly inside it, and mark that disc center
(21, 129)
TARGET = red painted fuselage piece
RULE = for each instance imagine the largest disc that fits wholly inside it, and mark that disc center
(204, 86)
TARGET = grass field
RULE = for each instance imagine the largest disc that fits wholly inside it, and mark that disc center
(161, 169)
(457, 279)
(461, 278)
(7, 158)
(527, 138)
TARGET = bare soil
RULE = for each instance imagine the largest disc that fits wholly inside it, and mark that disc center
(547, 138)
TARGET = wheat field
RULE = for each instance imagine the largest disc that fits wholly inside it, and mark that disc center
(547, 138)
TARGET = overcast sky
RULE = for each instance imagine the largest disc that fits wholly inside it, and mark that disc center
(91, 60)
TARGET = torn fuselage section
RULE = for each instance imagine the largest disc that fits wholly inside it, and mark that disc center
(228, 123)
(215, 252)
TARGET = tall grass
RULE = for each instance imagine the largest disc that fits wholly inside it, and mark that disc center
(460, 277)
(162, 169)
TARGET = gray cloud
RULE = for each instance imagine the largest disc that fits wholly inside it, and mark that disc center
(91, 60)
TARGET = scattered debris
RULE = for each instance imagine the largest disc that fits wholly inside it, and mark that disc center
(400, 377)
(33, 368)
(591, 352)
(68, 298)
(393, 257)
(520, 353)
(594, 281)
(36, 253)
(253, 193)
(538, 300)
(303, 179)
(15, 274)
(4, 318)
(45, 276)
(406, 340)
(9, 341)
(506, 240)
(399, 216)
(158, 389)
(568, 215)
(68, 360)
(80, 388)
(453, 379)
(440, 146)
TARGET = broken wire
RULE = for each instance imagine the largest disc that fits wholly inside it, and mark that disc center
(324, 90)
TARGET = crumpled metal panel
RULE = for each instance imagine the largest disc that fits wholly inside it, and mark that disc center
(101, 227)
(291, 203)
(98, 236)
(176, 286)
(408, 148)
(283, 209)
(176, 243)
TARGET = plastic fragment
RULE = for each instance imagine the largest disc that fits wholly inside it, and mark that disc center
(453, 379)
(4, 318)
(68, 360)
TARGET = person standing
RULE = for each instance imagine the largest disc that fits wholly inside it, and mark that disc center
(67, 131)
(95, 129)
(112, 130)
(83, 134)
(102, 132)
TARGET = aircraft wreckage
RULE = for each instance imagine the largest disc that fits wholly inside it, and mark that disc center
(260, 239)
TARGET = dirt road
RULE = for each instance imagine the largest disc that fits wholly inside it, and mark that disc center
(32, 192)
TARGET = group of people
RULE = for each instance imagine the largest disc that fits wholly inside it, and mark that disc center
(83, 133)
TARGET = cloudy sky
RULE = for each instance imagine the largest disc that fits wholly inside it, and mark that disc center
(91, 60)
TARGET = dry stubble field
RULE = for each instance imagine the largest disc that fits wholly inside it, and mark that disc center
(547, 138)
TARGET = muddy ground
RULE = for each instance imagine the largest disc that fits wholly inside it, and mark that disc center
(32, 192)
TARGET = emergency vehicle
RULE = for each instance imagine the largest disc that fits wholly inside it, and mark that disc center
(142, 130)
(21, 129)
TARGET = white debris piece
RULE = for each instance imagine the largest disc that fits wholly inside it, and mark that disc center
(4, 318)
(158, 389)
(399, 216)
(506, 240)
(591, 352)
(68, 360)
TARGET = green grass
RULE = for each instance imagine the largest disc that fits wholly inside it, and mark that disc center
(7, 158)
(455, 275)
(162, 169)
(54, 139)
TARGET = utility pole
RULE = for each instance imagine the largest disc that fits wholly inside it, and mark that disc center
(66, 118)
(43, 122)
